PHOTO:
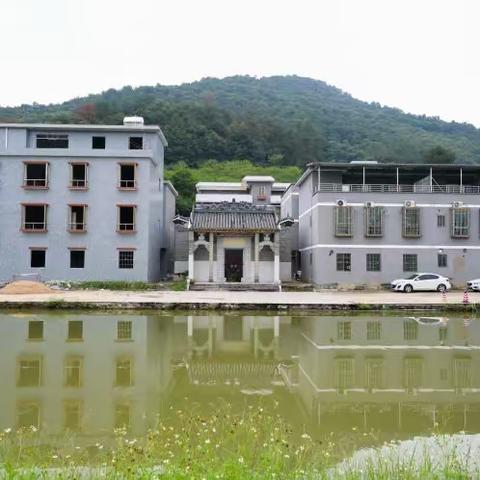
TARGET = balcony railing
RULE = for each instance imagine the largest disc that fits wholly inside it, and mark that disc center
(127, 184)
(34, 226)
(126, 227)
(35, 182)
(394, 188)
(77, 226)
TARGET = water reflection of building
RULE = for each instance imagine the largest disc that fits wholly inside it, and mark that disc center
(390, 373)
(88, 373)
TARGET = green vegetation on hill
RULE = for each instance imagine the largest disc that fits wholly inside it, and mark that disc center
(269, 121)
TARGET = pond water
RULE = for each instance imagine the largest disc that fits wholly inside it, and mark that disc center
(392, 377)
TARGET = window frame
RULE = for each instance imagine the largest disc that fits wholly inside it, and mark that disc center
(368, 265)
(131, 140)
(122, 323)
(441, 221)
(24, 222)
(38, 249)
(30, 358)
(118, 361)
(126, 250)
(52, 137)
(128, 186)
(460, 231)
(67, 367)
(343, 227)
(342, 262)
(97, 137)
(75, 249)
(405, 262)
(409, 231)
(442, 260)
(43, 184)
(78, 186)
(72, 226)
(372, 213)
(30, 338)
(134, 224)
(71, 338)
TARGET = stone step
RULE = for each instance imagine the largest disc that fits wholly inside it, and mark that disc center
(237, 287)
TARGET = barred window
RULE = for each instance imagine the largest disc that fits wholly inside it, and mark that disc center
(374, 330)
(374, 373)
(462, 372)
(344, 262)
(373, 262)
(344, 330)
(440, 220)
(344, 373)
(410, 262)
(460, 222)
(373, 221)
(442, 259)
(410, 330)
(343, 221)
(411, 222)
(123, 373)
(124, 330)
(412, 372)
(125, 259)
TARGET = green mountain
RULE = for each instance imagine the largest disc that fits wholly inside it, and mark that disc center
(269, 121)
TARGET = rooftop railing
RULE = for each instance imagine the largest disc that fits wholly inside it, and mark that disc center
(394, 188)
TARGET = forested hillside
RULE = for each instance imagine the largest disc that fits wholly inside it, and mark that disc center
(269, 121)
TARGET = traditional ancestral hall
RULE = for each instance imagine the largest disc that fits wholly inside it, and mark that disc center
(368, 223)
(236, 235)
(84, 202)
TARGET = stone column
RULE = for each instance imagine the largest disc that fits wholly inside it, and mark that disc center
(257, 258)
(210, 257)
(191, 250)
(276, 264)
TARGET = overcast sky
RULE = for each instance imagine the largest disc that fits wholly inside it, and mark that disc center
(422, 56)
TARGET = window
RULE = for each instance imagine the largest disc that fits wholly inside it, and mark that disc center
(28, 415)
(262, 193)
(98, 143)
(344, 330)
(373, 221)
(460, 222)
(344, 373)
(127, 178)
(122, 416)
(77, 258)
(75, 330)
(462, 372)
(412, 372)
(343, 221)
(442, 334)
(410, 263)
(135, 143)
(35, 330)
(51, 140)
(123, 373)
(442, 259)
(34, 218)
(373, 373)
(410, 330)
(344, 263)
(35, 175)
(440, 221)
(73, 372)
(37, 258)
(79, 175)
(29, 372)
(124, 330)
(374, 330)
(411, 222)
(73, 415)
(126, 218)
(373, 262)
(125, 259)
(77, 218)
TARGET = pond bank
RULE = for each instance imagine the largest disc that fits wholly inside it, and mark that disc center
(224, 300)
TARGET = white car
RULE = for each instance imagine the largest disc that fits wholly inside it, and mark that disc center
(474, 284)
(421, 282)
(432, 321)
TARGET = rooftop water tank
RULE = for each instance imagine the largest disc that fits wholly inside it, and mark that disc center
(133, 121)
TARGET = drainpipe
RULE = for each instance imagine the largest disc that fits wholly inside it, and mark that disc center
(431, 179)
(461, 180)
(363, 179)
(398, 181)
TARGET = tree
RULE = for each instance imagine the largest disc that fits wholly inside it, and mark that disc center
(184, 182)
(439, 155)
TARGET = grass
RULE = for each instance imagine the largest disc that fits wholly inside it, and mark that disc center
(255, 443)
(176, 285)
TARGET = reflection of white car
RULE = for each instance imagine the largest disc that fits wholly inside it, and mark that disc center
(421, 281)
(434, 321)
(474, 284)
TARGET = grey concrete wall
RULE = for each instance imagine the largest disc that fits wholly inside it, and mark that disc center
(101, 240)
(319, 245)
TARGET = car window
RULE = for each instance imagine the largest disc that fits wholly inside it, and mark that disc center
(411, 277)
(427, 277)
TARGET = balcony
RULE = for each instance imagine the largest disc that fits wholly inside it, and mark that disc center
(396, 188)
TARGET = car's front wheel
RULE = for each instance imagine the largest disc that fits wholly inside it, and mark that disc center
(408, 289)
(441, 288)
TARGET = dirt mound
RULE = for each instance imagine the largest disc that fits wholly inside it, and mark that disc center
(25, 286)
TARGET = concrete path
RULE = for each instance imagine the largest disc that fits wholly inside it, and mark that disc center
(224, 299)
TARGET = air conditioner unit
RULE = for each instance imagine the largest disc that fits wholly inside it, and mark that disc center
(369, 204)
(341, 203)
(409, 203)
(457, 204)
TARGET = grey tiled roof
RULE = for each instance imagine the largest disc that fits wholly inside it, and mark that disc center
(233, 216)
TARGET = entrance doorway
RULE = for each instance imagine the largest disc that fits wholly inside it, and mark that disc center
(233, 264)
